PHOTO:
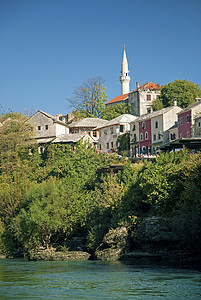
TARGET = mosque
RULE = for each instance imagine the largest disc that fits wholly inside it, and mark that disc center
(141, 98)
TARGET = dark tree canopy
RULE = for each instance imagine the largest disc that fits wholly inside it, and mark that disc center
(183, 91)
(89, 98)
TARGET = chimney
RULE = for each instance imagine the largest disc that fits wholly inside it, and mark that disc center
(175, 102)
(137, 84)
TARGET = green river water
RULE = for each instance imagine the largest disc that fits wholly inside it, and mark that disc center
(22, 279)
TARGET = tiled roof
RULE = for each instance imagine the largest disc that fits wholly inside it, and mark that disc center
(46, 114)
(155, 113)
(74, 138)
(198, 116)
(118, 99)
(44, 140)
(151, 86)
(174, 126)
(125, 118)
(89, 122)
(190, 107)
(148, 85)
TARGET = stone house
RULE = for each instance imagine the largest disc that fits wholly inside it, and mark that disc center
(109, 133)
(140, 99)
(87, 125)
(47, 127)
(186, 119)
(73, 139)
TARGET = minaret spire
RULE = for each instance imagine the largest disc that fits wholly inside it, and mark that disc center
(124, 79)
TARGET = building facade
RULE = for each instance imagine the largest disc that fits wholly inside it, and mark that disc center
(186, 119)
(153, 130)
(109, 133)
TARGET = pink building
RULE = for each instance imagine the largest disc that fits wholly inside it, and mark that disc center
(186, 119)
(145, 142)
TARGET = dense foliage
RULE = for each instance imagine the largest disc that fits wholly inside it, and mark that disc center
(114, 111)
(47, 200)
(183, 91)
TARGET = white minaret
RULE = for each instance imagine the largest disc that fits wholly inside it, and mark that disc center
(125, 79)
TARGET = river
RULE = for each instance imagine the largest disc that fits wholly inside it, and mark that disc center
(22, 279)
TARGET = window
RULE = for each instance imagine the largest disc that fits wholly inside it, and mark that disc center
(111, 130)
(172, 136)
(60, 118)
(141, 136)
(199, 123)
(187, 119)
(146, 135)
(116, 144)
(181, 135)
(148, 110)
(143, 150)
(39, 127)
(121, 128)
(188, 134)
(156, 124)
(181, 120)
(154, 137)
(107, 145)
(148, 97)
(99, 133)
(46, 127)
(31, 151)
(94, 133)
(134, 137)
(133, 127)
(100, 147)
(41, 149)
(112, 144)
(143, 125)
(159, 136)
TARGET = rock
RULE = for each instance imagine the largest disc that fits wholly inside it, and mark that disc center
(57, 255)
(114, 244)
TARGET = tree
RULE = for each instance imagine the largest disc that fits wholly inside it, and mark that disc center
(16, 135)
(183, 91)
(113, 111)
(124, 142)
(89, 98)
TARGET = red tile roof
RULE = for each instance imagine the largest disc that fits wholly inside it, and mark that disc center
(118, 99)
(151, 86)
(148, 85)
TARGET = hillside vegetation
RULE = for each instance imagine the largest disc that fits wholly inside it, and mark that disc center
(48, 200)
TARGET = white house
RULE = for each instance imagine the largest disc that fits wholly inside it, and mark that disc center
(109, 133)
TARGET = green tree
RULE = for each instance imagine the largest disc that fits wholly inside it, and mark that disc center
(124, 142)
(116, 110)
(89, 98)
(16, 135)
(157, 104)
(183, 91)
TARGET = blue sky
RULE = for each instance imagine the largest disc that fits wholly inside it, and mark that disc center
(49, 47)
